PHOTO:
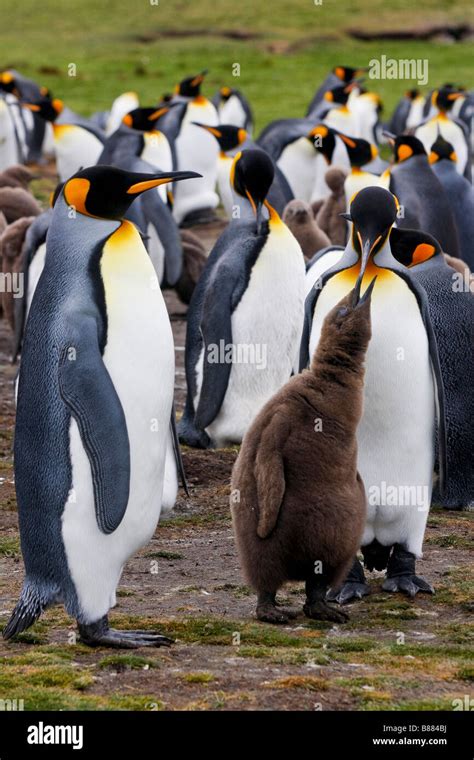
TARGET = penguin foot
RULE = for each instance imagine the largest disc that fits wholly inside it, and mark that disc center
(100, 635)
(189, 435)
(320, 610)
(270, 613)
(408, 584)
(348, 591)
(401, 574)
(354, 586)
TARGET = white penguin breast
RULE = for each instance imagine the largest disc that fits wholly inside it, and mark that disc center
(76, 148)
(298, 163)
(266, 328)
(139, 357)
(396, 433)
(157, 152)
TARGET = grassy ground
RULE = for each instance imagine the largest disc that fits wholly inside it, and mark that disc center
(117, 45)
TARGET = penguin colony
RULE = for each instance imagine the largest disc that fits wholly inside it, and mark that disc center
(329, 335)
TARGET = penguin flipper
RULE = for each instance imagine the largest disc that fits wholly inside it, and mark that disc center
(177, 452)
(270, 474)
(216, 328)
(89, 393)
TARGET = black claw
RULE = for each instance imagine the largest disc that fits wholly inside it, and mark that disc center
(401, 574)
(99, 634)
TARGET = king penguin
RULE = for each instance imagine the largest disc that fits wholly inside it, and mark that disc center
(233, 108)
(196, 149)
(423, 202)
(95, 399)
(76, 145)
(451, 308)
(245, 316)
(339, 75)
(396, 436)
(452, 129)
(460, 195)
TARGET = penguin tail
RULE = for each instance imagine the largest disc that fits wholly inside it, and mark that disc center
(27, 611)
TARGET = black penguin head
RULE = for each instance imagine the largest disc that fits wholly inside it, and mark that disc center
(372, 212)
(405, 147)
(360, 151)
(445, 98)
(412, 247)
(48, 108)
(412, 94)
(144, 119)
(191, 86)
(347, 73)
(8, 83)
(106, 192)
(339, 95)
(227, 135)
(442, 150)
(251, 176)
(324, 140)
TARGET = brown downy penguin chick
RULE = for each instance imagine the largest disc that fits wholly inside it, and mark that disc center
(458, 264)
(194, 261)
(16, 202)
(11, 248)
(16, 176)
(298, 503)
(328, 215)
(298, 216)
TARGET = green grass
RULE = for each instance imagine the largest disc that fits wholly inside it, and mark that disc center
(116, 46)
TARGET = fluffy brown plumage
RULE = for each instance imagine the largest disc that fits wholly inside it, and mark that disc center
(194, 261)
(298, 216)
(328, 215)
(297, 498)
(16, 202)
(16, 176)
(11, 247)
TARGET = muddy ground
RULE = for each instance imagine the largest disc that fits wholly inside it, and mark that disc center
(394, 653)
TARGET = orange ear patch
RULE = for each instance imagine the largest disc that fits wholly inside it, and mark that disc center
(433, 157)
(322, 131)
(127, 120)
(75, 193)
(404, 152)
(329, 96)
(422, 252)
(339, 72)
(348, 141)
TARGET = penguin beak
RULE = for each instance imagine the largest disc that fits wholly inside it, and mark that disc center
(159, 179)
(258, 214)
(356, 300)
(216, 132)
(367, 247)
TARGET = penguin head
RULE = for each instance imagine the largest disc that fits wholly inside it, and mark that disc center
(360, 151)
(445, 97)
(347, 73)
(251, 176)
(412, 94)
(339, 95)
(225, 93)
(191, 86)
(144, 119)
(412, 247)
(347, 327)
(8, 83)
(373, 212)
(47, 108)
(324, 140)
(405, 147)
(106, 192)
(442, 149)
(227, 135)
